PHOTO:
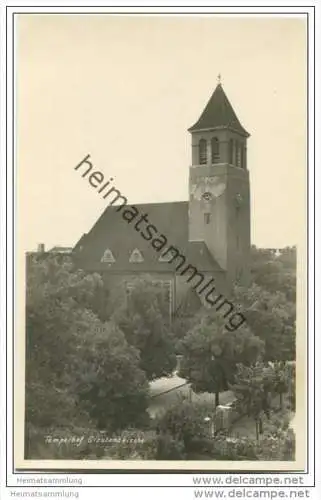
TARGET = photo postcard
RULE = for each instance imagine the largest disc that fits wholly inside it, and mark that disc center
(161, 237)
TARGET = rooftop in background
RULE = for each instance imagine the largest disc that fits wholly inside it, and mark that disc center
(41, 249)
(58, 249)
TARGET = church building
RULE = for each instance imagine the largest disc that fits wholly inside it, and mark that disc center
(211, 230)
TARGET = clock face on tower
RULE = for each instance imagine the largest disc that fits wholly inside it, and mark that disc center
(207, 196)
(207, 188)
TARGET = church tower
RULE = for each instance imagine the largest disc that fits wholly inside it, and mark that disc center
(219, 188)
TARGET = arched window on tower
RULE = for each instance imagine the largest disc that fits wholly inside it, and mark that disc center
(215, 147)
(242, 156)
(202, 148)
(243, 165)
(231, 151)
(207, 218)
(237, 154)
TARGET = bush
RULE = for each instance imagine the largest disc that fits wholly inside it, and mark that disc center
(277, 447)
(169, 448)
(132, 445)
(185, 422)
(232, 448)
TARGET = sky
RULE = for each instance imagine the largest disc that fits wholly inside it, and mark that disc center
(125, 89)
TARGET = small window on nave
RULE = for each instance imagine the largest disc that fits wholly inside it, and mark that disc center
(136, 256)
(166, 287)
(238, 274)
(129, 287)
(107, 256)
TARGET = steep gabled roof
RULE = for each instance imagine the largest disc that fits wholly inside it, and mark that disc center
(112, 232)
(219, 113)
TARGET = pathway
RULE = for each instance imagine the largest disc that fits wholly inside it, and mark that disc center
(177, 387)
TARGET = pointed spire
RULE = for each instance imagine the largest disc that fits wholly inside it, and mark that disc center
(219, 113)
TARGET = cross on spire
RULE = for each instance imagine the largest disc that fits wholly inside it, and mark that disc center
(219, 78)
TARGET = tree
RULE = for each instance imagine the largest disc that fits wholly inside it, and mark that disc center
(269, 304)
(278, 440)
(56, 321)
(211, 353)
(275, 273)
(112, 387)
(144, 319)
(185, 422)
(281, 381)
(54, 278)
(183, 318)
(76, 366)
(271, 317)
(253, 387)
(292, 385)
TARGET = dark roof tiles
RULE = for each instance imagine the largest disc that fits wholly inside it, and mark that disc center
(219, 113)
(112, 232)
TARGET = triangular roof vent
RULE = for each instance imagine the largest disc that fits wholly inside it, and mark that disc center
(108, 256)
(136, 256)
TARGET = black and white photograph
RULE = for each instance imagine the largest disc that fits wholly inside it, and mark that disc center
(161, 208)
